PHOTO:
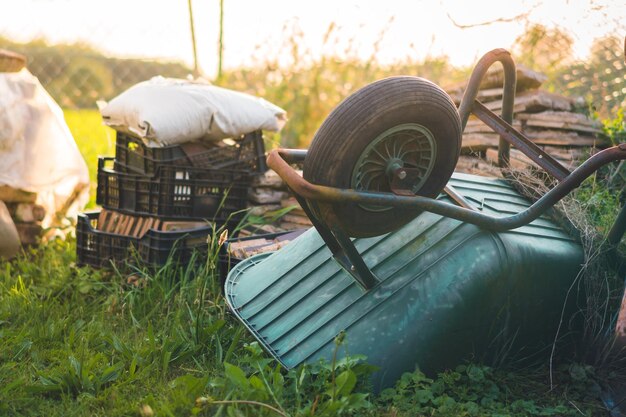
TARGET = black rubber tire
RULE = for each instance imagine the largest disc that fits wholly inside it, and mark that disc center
(362, 117)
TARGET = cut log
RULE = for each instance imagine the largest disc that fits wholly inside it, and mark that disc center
(29, 233)
(269, 179)
(13, 195)
(26, 212)
(266, 196)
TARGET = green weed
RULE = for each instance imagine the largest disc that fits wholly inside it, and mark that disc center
(78, 341)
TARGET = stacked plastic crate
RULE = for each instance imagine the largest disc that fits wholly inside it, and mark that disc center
(164, 203)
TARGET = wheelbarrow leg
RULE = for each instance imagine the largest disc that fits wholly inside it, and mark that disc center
(342, 248)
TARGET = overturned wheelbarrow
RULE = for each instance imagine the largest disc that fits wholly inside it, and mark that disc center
(413, 276)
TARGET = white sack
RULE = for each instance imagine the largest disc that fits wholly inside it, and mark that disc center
(167, 111)
(37, 150)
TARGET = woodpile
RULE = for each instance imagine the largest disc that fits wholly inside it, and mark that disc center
(275, 218)
(25, 213)
(270, 200)
(125, 224)
(548, 119)
(245, 248)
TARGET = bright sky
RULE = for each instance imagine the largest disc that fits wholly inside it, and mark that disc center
(416, 28)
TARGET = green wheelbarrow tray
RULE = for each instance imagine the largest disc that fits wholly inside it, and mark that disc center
(447, 289)
(419, 266)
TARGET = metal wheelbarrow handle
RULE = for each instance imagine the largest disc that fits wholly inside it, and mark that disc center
(279, 160)
(312, 196)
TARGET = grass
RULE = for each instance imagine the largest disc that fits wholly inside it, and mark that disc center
(93, 139)
(75, 341)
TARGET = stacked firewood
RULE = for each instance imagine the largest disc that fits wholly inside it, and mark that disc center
(270, 200)
(26, 214)
(21, 206)
(548, 119)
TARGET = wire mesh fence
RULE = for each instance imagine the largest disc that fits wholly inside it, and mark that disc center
(77, 74)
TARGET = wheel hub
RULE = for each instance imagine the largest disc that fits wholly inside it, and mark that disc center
(386, 160)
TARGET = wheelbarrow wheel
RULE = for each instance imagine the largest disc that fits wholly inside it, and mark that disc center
(395, 124)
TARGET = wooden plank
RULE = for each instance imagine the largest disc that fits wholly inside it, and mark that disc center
(114, 219)
(563, 125)
(477, 166)
(170, 226)
(13, 195)
(103, 220)
(476, 126)
(303, 220)
(122, 219)
(573, 154)
(137, 226)
(563, 138)
(291, 226)
(131, 220)
(526, 78)
(535, 101)
(520, 161)
(147, 225)
(263, 228)
(266, 248)
(560, 116)
(242, 244)
(479, 142)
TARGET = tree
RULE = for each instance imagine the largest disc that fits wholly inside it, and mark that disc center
(544, 49)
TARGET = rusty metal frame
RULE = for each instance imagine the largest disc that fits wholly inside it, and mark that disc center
(311, 196)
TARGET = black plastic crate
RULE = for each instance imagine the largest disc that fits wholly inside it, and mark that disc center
(246, 152)
(226, 261)
(103, 249)
(175, 192)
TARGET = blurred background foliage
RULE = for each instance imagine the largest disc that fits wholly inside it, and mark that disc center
(308, 86)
